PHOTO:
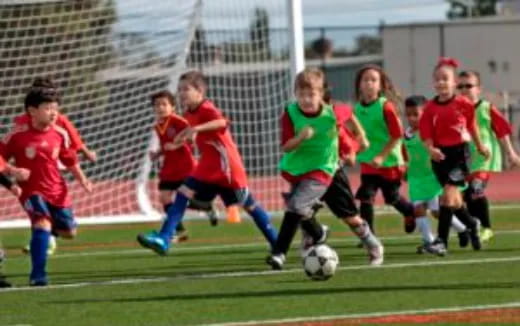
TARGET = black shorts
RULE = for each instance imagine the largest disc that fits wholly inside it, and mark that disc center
(170, 185)
(370, 183)
(206, 192)
(339, 197)
(454, 169)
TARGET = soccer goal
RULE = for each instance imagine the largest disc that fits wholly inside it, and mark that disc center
(109, 56)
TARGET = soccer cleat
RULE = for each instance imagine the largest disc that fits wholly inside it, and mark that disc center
(376, 255)
(475, 239)
(276, 261)
(325, 234)
(39, 282)
(437, 247)
(51, 250)
(486, 234)
(154, 242)
(463, 238)
(213, 216)
(409, 224)
(306, 243)
(4, 283)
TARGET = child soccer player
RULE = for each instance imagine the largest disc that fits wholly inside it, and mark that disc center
(37, 147)
(76, 143)
(178, 162)
(494, 130)
(382, 164)
(445, 128)
(423, 187)
(220, 170)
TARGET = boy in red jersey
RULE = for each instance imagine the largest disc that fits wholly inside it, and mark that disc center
(76, 142)
(37, 147)
(494, 131)
(178, 162)
(220, 170)
(445, 127)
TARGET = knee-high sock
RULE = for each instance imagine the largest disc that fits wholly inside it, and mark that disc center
(443, 228)
(39, 246)
(261, 218)
(423, 224)
(457, 225)
(173, 217)
(313, 228)
(404, 207)
(180, 227)
(365, 235)
(366, 211)
(479, 207)
(464, 216)
(288, 229)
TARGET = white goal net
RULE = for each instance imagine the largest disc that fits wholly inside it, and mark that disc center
(109, 56)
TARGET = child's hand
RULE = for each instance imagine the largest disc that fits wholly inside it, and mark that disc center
(377, 161)
(87, 185)
(187, 135)
(154, 155)
(350, 159)
(306, 133)
(514, 160)
(436, 154)
(90, 155)
(484, 151)
(20, 174)
(16, 190)
(172, 146)
(363, 143)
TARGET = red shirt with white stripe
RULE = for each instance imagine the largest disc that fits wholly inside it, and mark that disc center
(177, 164)
(76, 143)
(448, 123)
(220, 162)
(39, 152)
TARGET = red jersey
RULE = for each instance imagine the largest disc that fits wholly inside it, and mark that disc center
(76, 143)
(39, 152)
(177, 164)
(500, 125)
(343, 113)
(220, 162)
(395, 129)
(448, 123)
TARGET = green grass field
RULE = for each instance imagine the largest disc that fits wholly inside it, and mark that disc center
(219, 276)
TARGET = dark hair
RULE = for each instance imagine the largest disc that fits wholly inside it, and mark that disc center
(469, 73)
(196, 79)
(163, 94)
(387, 87)
(42, 90)
(415, 100)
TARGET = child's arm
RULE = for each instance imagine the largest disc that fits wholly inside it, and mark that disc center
(502, 129)
(389, 146)
(189, 133)
(395, 131)
(78, 174)
(512, 156)
(471, 124)
(359, 132)
(75, 138)
(295, 141)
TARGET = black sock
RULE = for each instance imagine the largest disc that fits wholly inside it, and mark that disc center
(464, 216)
(479, 207)
(443, 228)
(366, 210)
(287, 231)
(404, 207)
(313, 228)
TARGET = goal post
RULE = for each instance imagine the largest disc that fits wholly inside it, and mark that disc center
(109, 56)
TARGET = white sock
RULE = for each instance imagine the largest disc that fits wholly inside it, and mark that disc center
(457, 225)
(423, 224)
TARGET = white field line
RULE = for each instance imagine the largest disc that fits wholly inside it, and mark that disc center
(514, 304)
(223, 247)
(261, 273)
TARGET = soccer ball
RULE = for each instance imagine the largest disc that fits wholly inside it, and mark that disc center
(320, 262)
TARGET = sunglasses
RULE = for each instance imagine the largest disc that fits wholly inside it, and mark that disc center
(465, 86)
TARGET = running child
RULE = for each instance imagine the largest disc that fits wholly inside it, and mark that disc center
(494, 130)
(220, 170)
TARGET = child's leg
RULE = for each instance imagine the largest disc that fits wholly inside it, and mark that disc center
(423, 222)
(392, 197)
(477, 202)
(166, 192)
(259, 215)
(366, 194)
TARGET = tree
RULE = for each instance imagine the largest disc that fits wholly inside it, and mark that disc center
(259, 34)
(471, 8)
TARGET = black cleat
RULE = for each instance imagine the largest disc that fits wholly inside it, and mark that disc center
(409, 224)
(463, 238)
(475, 239)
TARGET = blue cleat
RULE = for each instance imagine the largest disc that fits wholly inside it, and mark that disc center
(153, 241)
(39, 282)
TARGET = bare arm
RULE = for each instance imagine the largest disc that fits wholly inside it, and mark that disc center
(78, 174)
(358, 131)
(513, 157)
(295, 141)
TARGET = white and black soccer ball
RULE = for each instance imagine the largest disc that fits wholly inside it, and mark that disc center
(320, 262)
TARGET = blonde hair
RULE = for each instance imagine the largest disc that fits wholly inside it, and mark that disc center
(312, 78)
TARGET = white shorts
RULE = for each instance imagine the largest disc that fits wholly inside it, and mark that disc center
(432, 204)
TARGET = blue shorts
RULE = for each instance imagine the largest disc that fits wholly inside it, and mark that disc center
(206, 192)
(61, 218)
